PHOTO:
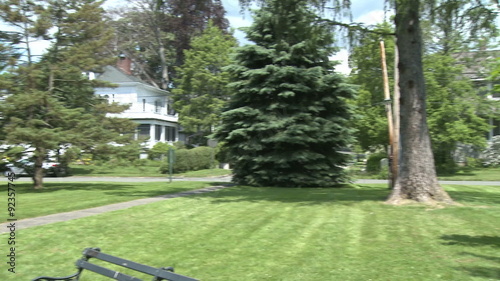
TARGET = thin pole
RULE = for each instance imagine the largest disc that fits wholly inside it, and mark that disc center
(395, 143)
(388, 109)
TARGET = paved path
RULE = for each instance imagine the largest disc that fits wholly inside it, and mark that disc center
(25, 223)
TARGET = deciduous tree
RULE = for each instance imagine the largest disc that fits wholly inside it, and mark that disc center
(155, 34)
(201, 91)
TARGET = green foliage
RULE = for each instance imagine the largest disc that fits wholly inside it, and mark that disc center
(156, 33)
(195, 159)
(371, 119)
(373, 162)
(288, 116)
(454, 110)
(201, 90)
(159, 150)
(50, 103)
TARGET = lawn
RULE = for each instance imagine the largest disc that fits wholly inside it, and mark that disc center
(484, 174)
(65, 197)
(466, 174)
(283, 234)
(149, 170)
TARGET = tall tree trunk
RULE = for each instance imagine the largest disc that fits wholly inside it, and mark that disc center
(38, 170)
(417, 179)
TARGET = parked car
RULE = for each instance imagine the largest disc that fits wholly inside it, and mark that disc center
(26, 168)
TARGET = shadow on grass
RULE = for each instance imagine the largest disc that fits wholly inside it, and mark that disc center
(471, 241)
(475, 197)
(154, 193)
(493, 272)
(113, 189)
(345, 195)
(489, 272)
(80, 171)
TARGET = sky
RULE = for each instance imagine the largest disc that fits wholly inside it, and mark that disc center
(369, 12)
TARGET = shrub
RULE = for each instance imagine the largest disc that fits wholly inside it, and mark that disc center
(491, 155)
(158, 150)
(373, 162)
(198, 158)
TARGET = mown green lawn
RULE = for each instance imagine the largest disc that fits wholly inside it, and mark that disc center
(150, 170)
(283, 234)
(484, 174)
(65, 197)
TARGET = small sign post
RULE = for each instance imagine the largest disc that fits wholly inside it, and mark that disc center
(171, 161)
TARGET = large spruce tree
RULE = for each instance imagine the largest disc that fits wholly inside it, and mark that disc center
(286, 123)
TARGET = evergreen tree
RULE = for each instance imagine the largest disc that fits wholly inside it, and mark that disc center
(201, 91)
(287, 119)
(49, 101)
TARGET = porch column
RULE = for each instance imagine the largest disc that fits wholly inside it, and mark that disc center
(152, 136)
(162, 136)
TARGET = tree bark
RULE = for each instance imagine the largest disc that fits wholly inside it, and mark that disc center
(417, 179)
(38, 170)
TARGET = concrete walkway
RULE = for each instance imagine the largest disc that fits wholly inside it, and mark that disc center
(31, 222)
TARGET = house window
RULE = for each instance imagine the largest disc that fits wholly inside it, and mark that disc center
(170, 133)
(157, 106)
(157, 132)
(144, 105)
(496, 127)
(170, 109)
(143, 131)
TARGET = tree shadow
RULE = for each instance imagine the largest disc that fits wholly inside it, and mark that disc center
(475, 197)
(343, 195)
(80, 171)
(471, 241)
(111, 188)
(490, 272)
(155, 193)
(27, 187)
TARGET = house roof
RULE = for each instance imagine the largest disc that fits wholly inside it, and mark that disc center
(477, 65)
(115, 75)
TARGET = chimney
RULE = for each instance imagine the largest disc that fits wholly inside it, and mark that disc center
(125, 64)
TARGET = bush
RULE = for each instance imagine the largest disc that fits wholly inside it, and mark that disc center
(198, 158)
(373, 162)
(491, 155)
(158, 150)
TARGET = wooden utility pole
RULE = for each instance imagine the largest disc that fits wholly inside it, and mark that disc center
(395, 140)
(388, 109)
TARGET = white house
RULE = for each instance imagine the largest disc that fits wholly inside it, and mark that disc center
(477, 68)
(150, 107)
